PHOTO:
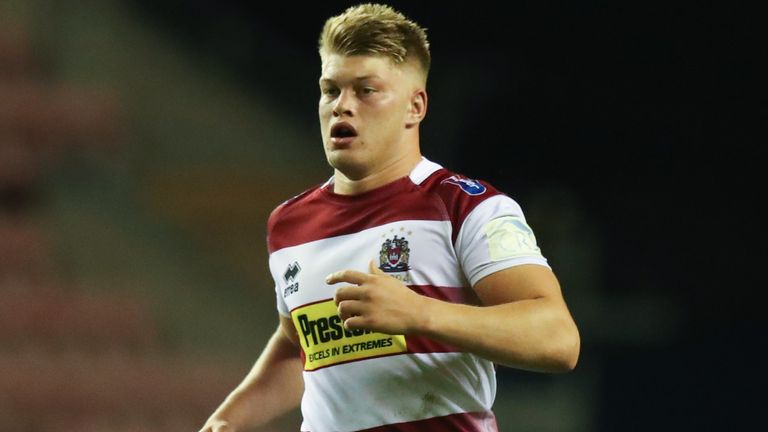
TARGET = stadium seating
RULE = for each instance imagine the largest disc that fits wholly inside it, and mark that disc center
(73, 358)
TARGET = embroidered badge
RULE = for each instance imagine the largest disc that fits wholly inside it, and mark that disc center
(394, 254)
(510, 237)
(471, 187)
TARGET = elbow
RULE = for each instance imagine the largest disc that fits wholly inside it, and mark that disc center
(570, 356)
(565, 356)
(559, 355)
(570, 348)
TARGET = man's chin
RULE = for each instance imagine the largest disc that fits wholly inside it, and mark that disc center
(341, 160)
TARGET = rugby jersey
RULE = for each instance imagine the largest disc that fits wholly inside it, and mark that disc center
(437, 232)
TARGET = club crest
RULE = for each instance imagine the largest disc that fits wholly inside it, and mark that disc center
(394, 254)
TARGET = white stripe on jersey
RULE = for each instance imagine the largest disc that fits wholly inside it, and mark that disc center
(413, 386)
(472, 243)
(432, 260)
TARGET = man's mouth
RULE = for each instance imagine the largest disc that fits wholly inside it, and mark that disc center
(343, 133)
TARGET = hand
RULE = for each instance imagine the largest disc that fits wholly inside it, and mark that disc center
(377, 302)
(217, 426)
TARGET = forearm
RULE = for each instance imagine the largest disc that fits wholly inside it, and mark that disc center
(273, 387)
(525, 324)
(535, 334)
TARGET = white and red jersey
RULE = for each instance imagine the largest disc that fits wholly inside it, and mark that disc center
(436, 231)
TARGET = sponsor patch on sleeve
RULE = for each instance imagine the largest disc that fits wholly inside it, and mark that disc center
(326, 342)
(470, 187)
(510, 237)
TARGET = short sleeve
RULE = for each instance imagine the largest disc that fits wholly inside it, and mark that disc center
(495, 236)
(282, 307)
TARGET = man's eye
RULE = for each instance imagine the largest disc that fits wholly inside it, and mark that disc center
(330, 91)
(368, 90)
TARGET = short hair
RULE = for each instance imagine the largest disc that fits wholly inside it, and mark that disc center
(375, 29)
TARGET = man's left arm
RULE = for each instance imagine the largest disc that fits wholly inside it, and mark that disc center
(523, 323)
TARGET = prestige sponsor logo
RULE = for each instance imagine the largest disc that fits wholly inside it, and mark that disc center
(326, 342)
(324, 330)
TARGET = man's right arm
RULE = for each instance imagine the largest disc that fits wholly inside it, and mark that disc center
(273, 387)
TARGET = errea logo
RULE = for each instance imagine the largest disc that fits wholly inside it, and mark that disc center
(291, 274)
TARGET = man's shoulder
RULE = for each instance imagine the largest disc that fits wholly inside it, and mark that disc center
(458, 189)
(291, 204)
(458, 194)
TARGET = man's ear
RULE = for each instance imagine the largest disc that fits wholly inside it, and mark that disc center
(417, 108)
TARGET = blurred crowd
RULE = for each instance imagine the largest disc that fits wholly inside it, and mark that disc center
(73, 358)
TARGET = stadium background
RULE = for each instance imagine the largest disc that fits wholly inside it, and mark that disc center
(143, 143)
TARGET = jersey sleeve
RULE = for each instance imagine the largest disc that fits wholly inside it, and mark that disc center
(495, 236)
(282, 307)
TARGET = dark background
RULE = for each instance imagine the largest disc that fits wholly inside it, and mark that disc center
(644, 114)
(141, 142)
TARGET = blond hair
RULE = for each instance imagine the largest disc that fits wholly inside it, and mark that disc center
(375, 29)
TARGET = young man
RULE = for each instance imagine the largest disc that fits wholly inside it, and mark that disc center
(401, 282)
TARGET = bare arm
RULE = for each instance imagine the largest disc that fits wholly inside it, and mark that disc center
(273, 387)
(523, 323)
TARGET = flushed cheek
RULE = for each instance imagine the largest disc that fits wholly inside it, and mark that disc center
(324, 128)
(323, 109)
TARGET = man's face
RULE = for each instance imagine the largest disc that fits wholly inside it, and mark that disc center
(364, 112)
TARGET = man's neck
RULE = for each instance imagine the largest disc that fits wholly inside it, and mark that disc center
(400, 168)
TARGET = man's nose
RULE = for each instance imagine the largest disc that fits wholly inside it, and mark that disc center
(344, 104)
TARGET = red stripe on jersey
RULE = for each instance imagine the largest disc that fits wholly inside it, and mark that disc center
(462, 422)
(457, 202)
(463, 295)
(425, 345)
(320, 214)
(419, 344)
